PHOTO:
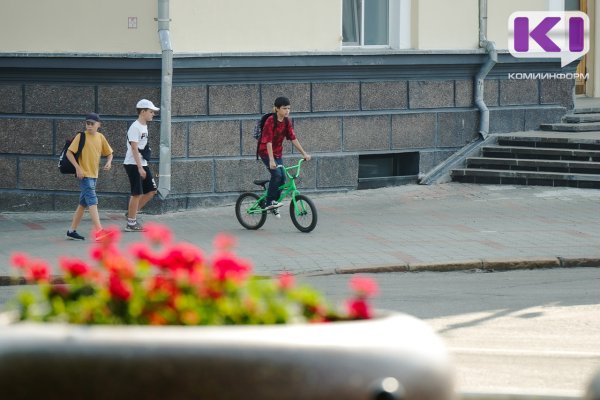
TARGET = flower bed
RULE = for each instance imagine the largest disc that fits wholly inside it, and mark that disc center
(88, 336)
(162, 282)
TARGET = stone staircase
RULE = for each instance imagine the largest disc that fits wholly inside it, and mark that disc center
(560, 154)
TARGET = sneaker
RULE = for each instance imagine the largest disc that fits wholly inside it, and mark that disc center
(134, 228)
(127, 216)
(74, 236)
(275, 212)
(274, 205)
(101, 235)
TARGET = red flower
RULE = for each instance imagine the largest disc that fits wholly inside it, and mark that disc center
(364, 286)
(156, 319)
(176, 284)
(224, 242)
(190, 317)
(143, 252)
(19, 260)
(157, 233)
(226, 266)
(118, 288)
(102, 250)
(359, 309)
(285, 281)
(37, 271)
(181, 256)
(117, 264)
(74, 267)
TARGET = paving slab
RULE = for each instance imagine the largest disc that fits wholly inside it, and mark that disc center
(406, 228)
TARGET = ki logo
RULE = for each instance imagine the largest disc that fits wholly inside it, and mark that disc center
(549, 34)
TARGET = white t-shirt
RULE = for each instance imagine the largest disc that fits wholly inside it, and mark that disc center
(136, 133)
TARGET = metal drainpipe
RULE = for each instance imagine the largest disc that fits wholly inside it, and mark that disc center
(490, 47)
(164, 166)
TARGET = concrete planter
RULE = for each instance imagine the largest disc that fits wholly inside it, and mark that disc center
(342, 360)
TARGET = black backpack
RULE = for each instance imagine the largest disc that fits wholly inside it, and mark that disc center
(64, 165)
(257, 133)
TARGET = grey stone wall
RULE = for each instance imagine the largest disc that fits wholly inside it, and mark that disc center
(337, 119)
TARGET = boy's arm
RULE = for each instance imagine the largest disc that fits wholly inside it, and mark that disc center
(298, 147)
(272, 164)
(71, 157)
(138, 159)
(108, 162)
(107, 152)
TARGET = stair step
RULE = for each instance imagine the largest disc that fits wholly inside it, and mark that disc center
(541, 152)
(550, 142)
(579, 118)
(563, 127)
(586, 110)
(578, 167)
(516, 177)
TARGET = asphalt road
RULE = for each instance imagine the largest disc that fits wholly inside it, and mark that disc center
(519, 331)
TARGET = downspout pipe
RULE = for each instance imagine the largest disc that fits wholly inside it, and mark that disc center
(164, 35)
(490, 47)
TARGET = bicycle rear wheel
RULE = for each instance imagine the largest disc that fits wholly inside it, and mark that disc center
(247, 211)
(304, 214)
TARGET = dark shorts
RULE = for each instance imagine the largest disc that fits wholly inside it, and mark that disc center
(139, 186)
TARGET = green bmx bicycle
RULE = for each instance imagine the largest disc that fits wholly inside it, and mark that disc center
(251, 211)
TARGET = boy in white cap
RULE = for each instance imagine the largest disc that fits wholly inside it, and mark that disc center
(143, 186)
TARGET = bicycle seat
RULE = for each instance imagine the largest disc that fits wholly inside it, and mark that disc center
(261, 182)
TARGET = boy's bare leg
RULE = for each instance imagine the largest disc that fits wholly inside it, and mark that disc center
(134, 206)
(77, 216)
(145, 199)
(95, 217)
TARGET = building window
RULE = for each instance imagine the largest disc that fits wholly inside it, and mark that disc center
(366, 22)
(380, 170)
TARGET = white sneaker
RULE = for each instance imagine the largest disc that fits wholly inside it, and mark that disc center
(274, 205)
(274, 208)
(275, 212)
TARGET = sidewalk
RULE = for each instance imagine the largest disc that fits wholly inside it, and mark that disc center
(413, 227)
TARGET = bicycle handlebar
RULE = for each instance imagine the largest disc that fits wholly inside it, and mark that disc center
(297, 166)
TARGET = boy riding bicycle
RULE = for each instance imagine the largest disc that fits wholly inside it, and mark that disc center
(277, 128)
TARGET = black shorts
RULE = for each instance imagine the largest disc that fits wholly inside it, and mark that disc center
(139, 186)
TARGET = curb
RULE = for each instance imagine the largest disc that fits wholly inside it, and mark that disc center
(6, 280)
(484, 265)
(477, 265)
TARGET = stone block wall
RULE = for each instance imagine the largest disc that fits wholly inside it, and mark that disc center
(337, 119)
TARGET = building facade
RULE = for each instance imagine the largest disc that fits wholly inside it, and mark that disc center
(381, 90)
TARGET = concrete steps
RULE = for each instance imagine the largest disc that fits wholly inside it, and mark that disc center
(537, 165)
(488, 176)
(571, 127)
(581, 119)
(536, 158)
(560, 154)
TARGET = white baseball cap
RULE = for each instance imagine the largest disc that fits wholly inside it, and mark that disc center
(143, 103)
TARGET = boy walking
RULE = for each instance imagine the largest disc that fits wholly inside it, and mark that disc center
(143, 186)
(270, 150)
(86, 169)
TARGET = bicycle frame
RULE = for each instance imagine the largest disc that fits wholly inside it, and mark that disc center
(287, 189)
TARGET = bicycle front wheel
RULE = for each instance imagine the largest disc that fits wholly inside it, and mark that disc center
(247, 211)
(303, 213)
